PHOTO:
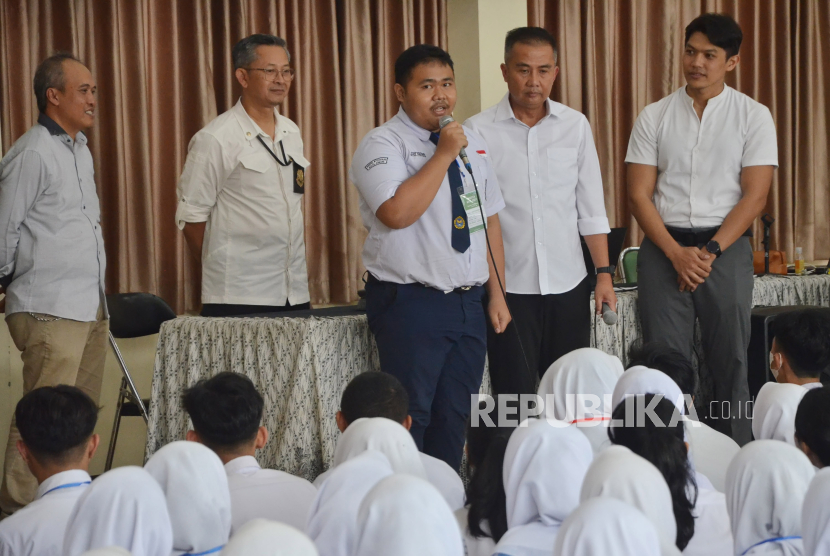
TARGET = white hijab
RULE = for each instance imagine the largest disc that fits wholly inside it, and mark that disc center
(815, 515)
(619, 473)
(261, 537)
(406, 516)
(642, 380)
(774, 412)
(585, 371)
(387, 437)
(124, 507)
(606, 527)
(765, 488)
(544, 466)
(195, 484)
(332, 520)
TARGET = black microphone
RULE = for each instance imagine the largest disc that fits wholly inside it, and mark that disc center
(608, 316)
(463, 154)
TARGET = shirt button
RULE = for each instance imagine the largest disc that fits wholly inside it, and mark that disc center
(535, 196)
(538, 218)
(533, 174)
(539, 243)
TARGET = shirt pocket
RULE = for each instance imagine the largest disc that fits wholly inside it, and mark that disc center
(255, 162)
(563, 165)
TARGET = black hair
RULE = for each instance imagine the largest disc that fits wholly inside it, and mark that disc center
(244, 53)
(417, 55)
(720, 29)
(49, 75)
(485, 465)
(528, 35)
(226, 410)
(374, 394)
(804, 337)
(664, 447)
(658, 355)
(56, 422)
(812, 423)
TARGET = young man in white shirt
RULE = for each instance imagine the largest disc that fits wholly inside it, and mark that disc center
(700, 165)
(56, 425)
(241, 193)
(226, 412)
(800, 352)
(544, 156)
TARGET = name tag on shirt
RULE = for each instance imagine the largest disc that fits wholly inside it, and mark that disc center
(299, 178)
(475, 220)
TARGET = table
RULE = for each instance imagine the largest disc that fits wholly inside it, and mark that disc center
(301, 363)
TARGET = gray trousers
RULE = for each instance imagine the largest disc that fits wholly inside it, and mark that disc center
(722, 305)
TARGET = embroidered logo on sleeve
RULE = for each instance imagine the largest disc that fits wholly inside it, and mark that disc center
(376, 162)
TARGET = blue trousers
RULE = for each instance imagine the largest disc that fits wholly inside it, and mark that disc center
(435, 344)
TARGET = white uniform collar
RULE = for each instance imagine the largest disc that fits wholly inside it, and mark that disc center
(241, 464)
(504, 111)
(62, 480)
(423, 134)
(252, 130)
(712, 101)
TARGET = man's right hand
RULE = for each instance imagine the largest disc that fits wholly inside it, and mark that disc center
(451, 140)
(692, 266)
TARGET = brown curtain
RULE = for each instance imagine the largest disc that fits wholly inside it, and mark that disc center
(617, 56)
(164, 70)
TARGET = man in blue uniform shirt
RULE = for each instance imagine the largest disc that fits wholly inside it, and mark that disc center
(426, 252)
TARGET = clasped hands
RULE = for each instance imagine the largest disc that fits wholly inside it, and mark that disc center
(692, 265)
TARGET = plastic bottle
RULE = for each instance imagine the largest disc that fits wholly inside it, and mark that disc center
(799, 261)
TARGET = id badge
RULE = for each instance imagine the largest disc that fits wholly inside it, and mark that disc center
(469, 199)
(299, 179)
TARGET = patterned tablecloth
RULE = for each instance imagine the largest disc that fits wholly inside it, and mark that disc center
(301, 366)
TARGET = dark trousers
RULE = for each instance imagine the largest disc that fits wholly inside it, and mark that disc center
(435, 344)
(549, 327)
(231, 310)
(722, 305)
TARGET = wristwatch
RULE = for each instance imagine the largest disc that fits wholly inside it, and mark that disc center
(714, 248)
(607, 269)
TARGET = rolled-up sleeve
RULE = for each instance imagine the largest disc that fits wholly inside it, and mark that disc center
(21, 181)
(378, 169)
(590, 196)
(201, 181)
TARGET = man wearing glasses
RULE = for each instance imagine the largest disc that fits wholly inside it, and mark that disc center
(240, 194)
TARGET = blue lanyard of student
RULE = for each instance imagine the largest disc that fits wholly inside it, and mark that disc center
(776, 539)
(211, 551)
(71, 485)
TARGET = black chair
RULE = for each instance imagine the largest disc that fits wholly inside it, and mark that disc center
(132, 315)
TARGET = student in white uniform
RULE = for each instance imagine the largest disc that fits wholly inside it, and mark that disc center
(196, 487)
(226, 411)
(544, 155)
(269, 538)
(375, 394)
(619, 473)
(406, 516)
(124, 507)
(576, 381)
(765, 489)
(544, 466)
(607, 527)
(56, 425)
(773, 416)
(800, 352)
(815, 516)
(710, 451)
(700, 513)
(812, 426)
(241, 192)
(332, 521)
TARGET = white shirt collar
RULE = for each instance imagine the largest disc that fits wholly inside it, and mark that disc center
(423, 134)
(240, 464)
(62, 479)
(251, 129)
(712, 101)
(504, 111)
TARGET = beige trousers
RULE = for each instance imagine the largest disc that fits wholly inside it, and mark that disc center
(54, 351)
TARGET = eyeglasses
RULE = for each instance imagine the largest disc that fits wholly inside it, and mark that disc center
(272, 73)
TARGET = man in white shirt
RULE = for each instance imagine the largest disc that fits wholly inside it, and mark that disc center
(544, 156)
(226, 412)
(240, 194)
(374, 394)
(800, 352)
(427, 213)
(57, 442)
(700, 164)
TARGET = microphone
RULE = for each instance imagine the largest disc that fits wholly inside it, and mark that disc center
(463, 154)
(609, 317)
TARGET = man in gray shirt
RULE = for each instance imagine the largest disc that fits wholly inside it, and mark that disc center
(52, 258)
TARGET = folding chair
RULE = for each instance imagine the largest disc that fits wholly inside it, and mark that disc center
(132, 315)
(628, 264)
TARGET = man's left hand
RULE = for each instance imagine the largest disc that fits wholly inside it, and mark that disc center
(709, 261)
(604, 293)
(499, 315)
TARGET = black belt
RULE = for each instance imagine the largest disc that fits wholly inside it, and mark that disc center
(696, 237)
(461, 290)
